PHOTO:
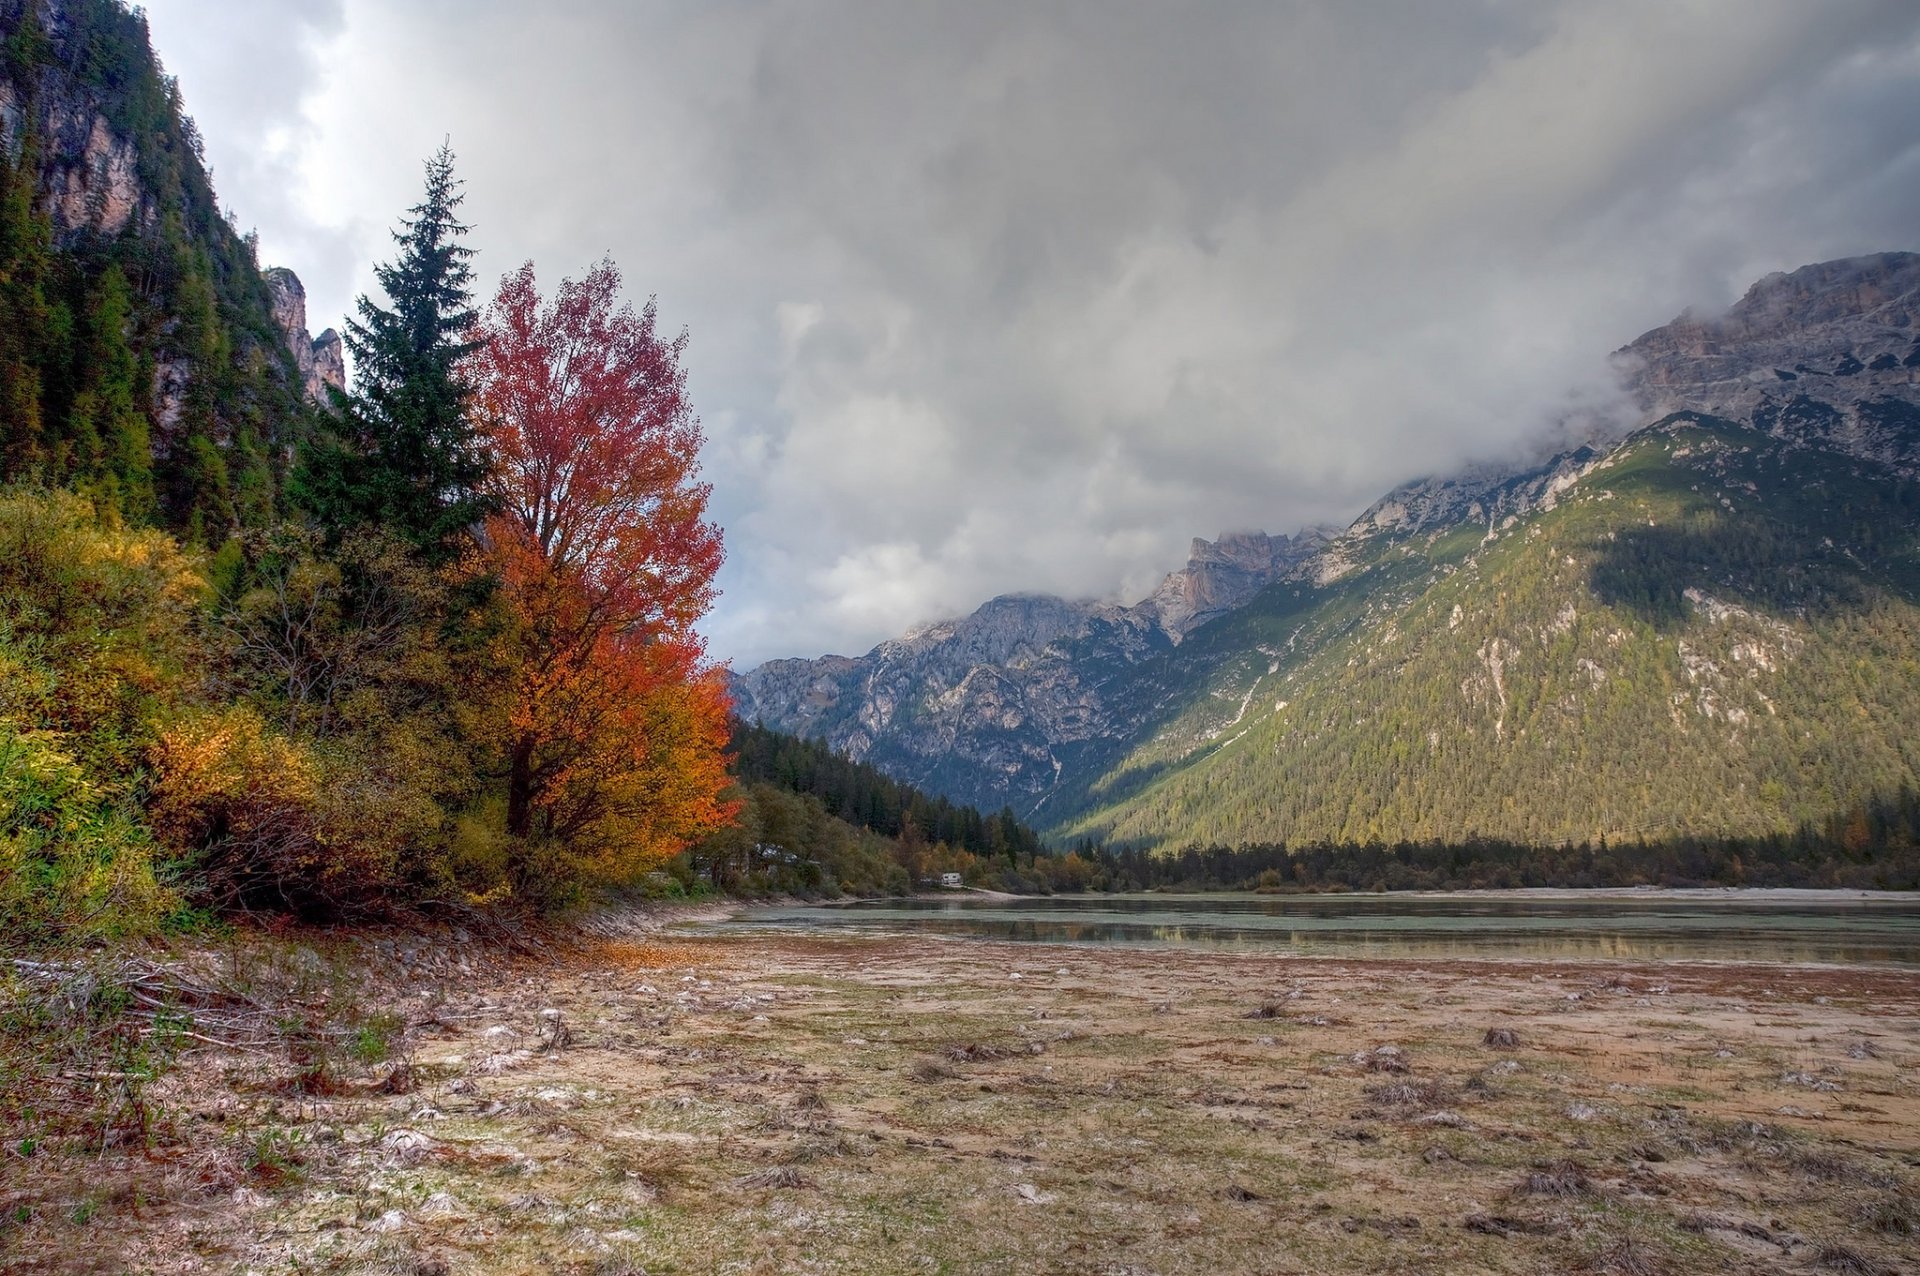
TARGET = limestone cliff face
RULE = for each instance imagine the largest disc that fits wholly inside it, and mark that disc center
(1029, 698)
(118, 176)
(1827, 356)
(89, 175)
(321, 361)
(1222, 575)
(1840, 329)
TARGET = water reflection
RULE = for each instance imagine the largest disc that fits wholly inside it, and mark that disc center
(1845, 932)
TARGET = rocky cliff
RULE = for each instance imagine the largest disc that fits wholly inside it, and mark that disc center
(87, 171)
(1224, 574)
(1240, 680)
(321, 360)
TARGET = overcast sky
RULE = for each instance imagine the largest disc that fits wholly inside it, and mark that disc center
(999, 295)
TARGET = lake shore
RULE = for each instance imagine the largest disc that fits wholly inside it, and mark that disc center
(765, 1102)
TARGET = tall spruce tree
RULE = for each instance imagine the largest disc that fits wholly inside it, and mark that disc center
(404, 455)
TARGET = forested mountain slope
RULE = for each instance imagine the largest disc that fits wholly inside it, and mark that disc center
(1711, 631)
(144, 356)
(1707, 626)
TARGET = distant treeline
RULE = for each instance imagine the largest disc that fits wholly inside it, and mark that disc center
(866, 798)
(816, 822)
(1872, 846)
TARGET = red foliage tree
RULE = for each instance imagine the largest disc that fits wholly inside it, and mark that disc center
(617, 723)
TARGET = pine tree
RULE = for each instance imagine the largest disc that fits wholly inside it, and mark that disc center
(405, 455)
(107, 423)
(26, 240)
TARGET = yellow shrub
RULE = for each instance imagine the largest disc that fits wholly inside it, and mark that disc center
(73, 865)
(267, 821)
(238, 803)
(96, 625)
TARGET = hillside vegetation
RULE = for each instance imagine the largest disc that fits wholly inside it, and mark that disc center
(335, 659)
(1712, 631)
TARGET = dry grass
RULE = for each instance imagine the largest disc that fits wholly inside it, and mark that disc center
(850, 1106)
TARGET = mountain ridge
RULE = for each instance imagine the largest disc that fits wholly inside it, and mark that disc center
(1049, 725)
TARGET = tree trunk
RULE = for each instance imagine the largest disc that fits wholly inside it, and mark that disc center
(520, 788)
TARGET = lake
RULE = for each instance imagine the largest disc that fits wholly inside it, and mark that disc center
(1653, 927)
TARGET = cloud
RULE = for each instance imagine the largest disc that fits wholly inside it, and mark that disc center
(249, 73)
(1007, 295)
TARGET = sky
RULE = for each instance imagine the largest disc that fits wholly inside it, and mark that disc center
(1022, 295)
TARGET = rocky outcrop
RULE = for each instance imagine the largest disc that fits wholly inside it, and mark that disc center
(1840, 329)
(320, 359)
(89, 175)
(1224, 574)
(1827, 356)
(1487, 495)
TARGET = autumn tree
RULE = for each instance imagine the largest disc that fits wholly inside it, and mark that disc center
(615, 733)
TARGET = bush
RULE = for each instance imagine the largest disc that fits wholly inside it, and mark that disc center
(74, 866)
(262, 820)
(240, 805)
(96, 627)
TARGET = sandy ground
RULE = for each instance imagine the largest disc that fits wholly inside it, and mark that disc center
(784, 1104)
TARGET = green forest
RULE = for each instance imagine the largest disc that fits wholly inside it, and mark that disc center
(1712, 634)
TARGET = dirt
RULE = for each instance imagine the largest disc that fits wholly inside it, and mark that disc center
(774, 1104)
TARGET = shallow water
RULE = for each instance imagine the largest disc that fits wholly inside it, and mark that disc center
(1851, 931)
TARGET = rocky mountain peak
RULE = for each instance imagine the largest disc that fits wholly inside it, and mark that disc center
(1827, 354)
(1836, 333)
(321, 360)
(1221, 575)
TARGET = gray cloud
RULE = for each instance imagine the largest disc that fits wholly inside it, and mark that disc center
(247, 72)
(1008, 295)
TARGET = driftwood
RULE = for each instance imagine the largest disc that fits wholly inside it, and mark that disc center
(164, 1000)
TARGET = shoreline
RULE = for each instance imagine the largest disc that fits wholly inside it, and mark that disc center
(1778, 895)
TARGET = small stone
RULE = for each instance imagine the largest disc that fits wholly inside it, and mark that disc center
(441, 1204)
(407, 1147)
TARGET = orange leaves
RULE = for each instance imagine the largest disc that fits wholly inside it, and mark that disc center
(225, 774)
(605, 560)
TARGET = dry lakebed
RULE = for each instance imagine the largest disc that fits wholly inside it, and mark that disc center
(765, 1100)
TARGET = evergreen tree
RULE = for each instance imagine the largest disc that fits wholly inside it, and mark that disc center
(109, 429)
(404, 455)
(25, 247)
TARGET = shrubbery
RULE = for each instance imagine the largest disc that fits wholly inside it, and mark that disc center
(95, 641)
(74, 864)
(325, 737)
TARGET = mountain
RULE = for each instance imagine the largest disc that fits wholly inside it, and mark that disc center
(144, 355)
(1706, 623)
(997, 706)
